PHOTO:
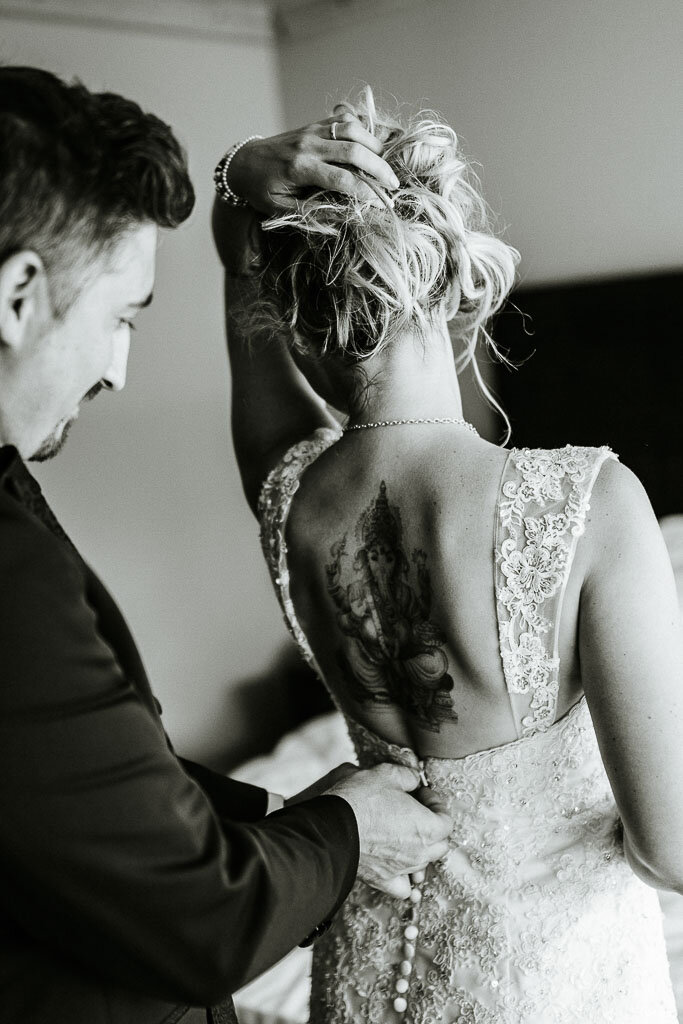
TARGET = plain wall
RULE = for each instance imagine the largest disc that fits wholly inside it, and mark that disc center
(573, 111)
(147, 485)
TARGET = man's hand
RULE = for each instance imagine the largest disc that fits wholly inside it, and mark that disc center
(270, 173)
(399, 835)
(323, 785)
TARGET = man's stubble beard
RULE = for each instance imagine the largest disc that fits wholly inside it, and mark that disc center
(53, 444)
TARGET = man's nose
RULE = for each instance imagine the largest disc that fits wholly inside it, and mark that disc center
(115, 377)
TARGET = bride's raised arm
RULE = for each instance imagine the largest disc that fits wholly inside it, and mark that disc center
(631, 651)
(273, 405)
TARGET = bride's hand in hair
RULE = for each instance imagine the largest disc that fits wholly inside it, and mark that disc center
(271, 173)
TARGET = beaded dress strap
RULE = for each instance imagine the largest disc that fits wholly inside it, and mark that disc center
(274, 504)
(542, 505)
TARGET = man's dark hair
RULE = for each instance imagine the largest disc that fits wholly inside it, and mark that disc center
(77, 169)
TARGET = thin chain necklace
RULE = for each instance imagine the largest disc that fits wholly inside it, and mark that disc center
(425, 419)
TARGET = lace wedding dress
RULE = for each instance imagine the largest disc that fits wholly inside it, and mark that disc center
(534, 916)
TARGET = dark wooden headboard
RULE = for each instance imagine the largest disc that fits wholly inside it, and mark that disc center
(602, 363)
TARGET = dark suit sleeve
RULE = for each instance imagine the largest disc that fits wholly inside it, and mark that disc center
(238, 801)
(109, 851)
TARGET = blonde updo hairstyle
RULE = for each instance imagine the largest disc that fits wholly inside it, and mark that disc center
(342, 276)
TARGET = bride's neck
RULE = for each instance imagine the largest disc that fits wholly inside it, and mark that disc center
(412, 378)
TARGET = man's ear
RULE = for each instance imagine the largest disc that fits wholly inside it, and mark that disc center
(24, 298)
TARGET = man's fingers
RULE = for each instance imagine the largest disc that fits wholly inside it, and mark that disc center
(431, 799)
(399, 887)
(399, 775)
(438, 850)
(439, 826)
(439, 808)
(338, 774)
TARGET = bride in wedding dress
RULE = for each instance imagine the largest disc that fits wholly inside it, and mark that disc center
(504, 620)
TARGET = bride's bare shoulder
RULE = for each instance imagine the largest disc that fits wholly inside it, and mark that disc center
(618, 494)
(620, 518)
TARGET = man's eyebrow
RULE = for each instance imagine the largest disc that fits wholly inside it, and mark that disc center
(144, 303)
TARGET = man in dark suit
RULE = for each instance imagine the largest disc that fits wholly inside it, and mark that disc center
(134, 885)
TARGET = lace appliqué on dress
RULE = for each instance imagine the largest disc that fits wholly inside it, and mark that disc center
(541, 513)
(274, 503)
(533, 916)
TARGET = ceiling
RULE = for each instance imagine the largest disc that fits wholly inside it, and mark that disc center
(260, 20)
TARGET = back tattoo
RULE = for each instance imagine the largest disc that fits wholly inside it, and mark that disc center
(391, 652)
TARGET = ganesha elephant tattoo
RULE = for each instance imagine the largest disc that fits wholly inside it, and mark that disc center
(391, 653)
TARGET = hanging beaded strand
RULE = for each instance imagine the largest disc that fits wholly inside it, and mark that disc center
(412, 928)
(411, 931)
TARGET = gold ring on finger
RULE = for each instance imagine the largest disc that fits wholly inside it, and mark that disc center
(333, 130)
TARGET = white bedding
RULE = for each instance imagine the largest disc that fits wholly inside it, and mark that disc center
(280, 996)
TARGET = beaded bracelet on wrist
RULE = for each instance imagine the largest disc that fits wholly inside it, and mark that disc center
(220, 175)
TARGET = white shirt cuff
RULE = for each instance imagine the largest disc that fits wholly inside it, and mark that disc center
(275, 803)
